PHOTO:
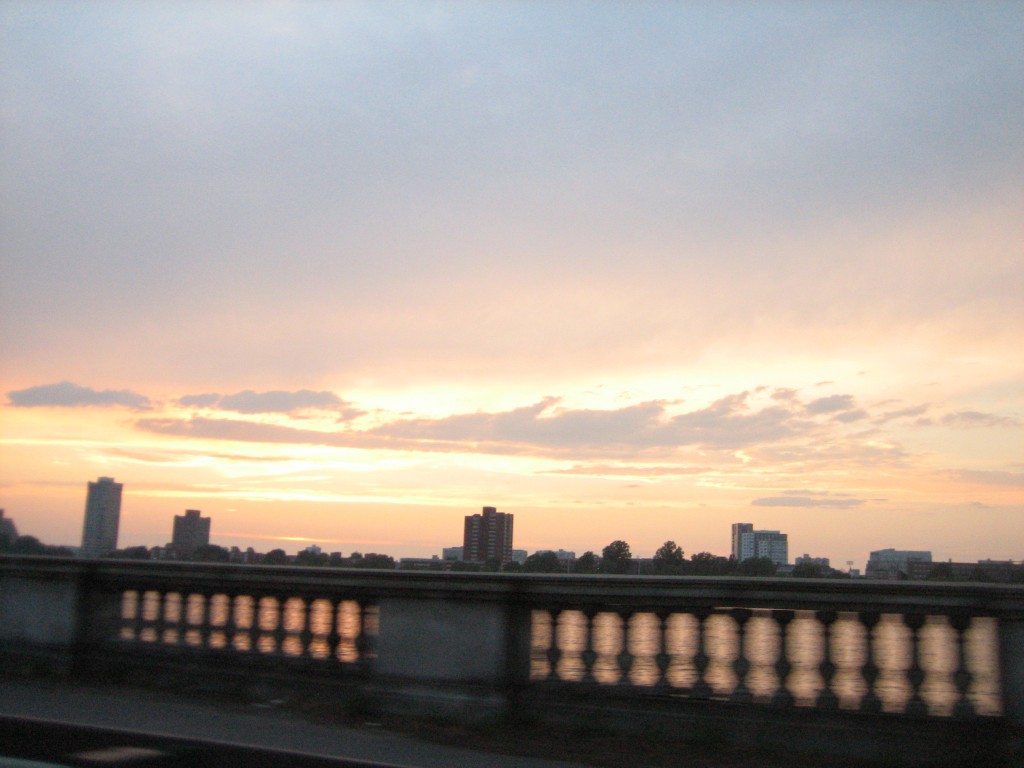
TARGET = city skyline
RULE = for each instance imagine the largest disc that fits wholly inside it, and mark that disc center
(340, 275)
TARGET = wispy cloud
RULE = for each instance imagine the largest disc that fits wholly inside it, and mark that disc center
(978, 419)
(990, 477)
(807, 501)
(831, 404)
(635, 470)
(276, 401)
(910, 412)
(543, 427)
(66, 394)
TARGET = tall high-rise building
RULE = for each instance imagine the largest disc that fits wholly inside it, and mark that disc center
(191, 531)
(748, 543)
(738, 529)
(102, 516)
(487, 536)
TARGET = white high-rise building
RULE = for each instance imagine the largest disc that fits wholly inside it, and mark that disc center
(748, 543)
(102, 516)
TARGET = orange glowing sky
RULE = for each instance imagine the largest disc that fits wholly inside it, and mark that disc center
(344, 274)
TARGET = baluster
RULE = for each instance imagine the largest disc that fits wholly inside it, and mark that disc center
(624, 659)
(182, 617)
(160, 623)
(140, 618)
(366, 641)
(334, 635)
(126, 616)
(256, 624)
(870, 671)
(827, 698)
(915, 675)
(663, 659)
(963, 708)
(701, 660)
(206, 625)
(589, 655)
(230, 622)
(783, 697)
(554, 652)
(741, 666)
(306, 635)
(280, 631)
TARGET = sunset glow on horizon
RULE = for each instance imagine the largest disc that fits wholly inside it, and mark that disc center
(343, 274)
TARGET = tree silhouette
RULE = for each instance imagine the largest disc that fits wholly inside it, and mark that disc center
(276, 557)
(316, 559)
(373, 560)
(543, 562)
(707, 564)
(756, 566)
(211, 553)
(668, 560)
(586, 563)
(616, 557)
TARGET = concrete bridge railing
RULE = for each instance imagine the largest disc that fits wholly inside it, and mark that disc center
(778, 660)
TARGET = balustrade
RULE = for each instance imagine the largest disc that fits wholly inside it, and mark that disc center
(941, 665)
(747, 655)
(919, 650)
(319, 628)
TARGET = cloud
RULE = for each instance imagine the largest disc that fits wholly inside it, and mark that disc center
(179, 456)
(849, 416)
(726, 423)
(806, 501)
(65, 394)
(978, 419)
(639, 470)
(990, 477)
(831, 404)
(241, 431)
(784, 393)
(540, 428)
(902, 413)
(277, 401)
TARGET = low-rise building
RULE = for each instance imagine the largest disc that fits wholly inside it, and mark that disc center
(895, 564)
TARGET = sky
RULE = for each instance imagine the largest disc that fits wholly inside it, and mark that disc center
(343, 273)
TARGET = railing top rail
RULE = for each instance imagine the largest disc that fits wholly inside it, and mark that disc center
(631, 592)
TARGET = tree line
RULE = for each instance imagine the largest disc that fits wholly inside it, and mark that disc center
(668, 560)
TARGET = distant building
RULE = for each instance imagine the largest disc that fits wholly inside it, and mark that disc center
(748, 543)
(821, 562)
(487, 536)
(102, 517)
(894, 563)
(519, 556)
(451, 553)
(738, 529)
(191, 531)
(7, 529)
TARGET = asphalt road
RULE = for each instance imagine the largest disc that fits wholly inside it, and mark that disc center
(210, 732)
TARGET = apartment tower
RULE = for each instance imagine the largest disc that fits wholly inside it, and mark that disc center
(191, 531)
(102, 516)
(488, 536)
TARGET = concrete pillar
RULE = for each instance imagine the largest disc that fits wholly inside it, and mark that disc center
(38, 621)
(451, 641)
(1011, 668)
